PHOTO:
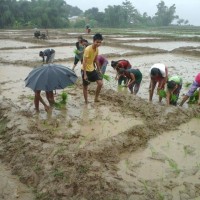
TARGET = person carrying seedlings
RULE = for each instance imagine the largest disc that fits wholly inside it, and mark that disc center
(103, 62)
(79, 51)
(121, 64)
(88, 72)
(158, 74)
(49, 54)
(174, 85)
(195, 85)
(134, 76)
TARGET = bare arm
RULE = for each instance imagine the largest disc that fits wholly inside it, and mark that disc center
(132, 79)
(84, 68)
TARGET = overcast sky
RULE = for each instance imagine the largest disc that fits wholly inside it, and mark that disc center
(185, 9)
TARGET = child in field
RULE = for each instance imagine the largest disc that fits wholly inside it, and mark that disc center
(158, 74)
(174, 85)
(195, 85)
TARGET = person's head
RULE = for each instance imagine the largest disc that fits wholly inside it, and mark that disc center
(155, 72)
(41, 54)
(97, 39)
(114, 64)
(171, 85)
(85, 42)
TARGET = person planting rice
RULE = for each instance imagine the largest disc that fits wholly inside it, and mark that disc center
(195, 85)
(135, 77)
(49, 54)
(121, 64)
(103, 62)
(158, 74)
(174, 85)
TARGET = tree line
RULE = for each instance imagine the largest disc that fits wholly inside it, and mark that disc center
(57, 14)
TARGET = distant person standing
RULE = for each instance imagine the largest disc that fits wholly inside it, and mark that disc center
(88, 29)
(88, 72)
(49, 54)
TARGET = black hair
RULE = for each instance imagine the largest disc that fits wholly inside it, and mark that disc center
(171, 85)
(97, 36)
(113, 63)
(155, 72)
(41, 53)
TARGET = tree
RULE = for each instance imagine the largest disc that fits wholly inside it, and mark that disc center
(165, 16)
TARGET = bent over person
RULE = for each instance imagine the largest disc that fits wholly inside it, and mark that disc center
(49, 54)
(88, 72)
(158, 74)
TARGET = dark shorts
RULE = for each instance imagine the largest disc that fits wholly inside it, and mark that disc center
(92, 77)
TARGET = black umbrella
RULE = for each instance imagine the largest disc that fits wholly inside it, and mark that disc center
(50, 77)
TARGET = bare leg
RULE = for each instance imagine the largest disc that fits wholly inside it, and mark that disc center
(98, 89)
(151, 89)
(85, 93)
(185, 98)
(50, 98)
(38, 99)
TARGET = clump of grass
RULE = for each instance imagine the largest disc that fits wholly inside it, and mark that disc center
(174, 166)
(163, 94)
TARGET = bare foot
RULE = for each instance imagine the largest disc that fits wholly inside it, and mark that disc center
(96, 100)
(47, 108)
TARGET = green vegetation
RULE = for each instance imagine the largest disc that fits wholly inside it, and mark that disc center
(62, 100)
(174, 166)
(57, 14)
(106, 77)
(194, 98)
(162, 93)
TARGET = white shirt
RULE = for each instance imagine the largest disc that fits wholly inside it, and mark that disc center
(161, 67)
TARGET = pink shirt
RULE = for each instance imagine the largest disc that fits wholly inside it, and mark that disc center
(197, 78)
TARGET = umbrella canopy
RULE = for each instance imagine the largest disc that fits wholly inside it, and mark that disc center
(49, 77)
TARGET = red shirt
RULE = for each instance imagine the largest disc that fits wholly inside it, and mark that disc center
(124, 64)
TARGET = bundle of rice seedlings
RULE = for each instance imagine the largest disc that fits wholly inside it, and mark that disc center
(162, 93)
(173, 98)
(194, 98)
(187, 84)
(76, 51)
(106, 77)
(62, 101)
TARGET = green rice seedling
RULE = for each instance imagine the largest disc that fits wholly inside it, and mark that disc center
(173, 98)
(188, 150)
(162, 93)
(174, 166)
(62, 100)
(106, 77)
(76, 51)
(187, 84)
(194, 98)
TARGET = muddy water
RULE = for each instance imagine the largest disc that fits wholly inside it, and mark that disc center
(11, 188)
(174, 155)
(136, 38)
(169, 46)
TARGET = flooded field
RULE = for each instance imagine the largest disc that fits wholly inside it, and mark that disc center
(122, 147)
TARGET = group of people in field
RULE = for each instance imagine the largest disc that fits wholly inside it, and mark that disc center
(94, 65)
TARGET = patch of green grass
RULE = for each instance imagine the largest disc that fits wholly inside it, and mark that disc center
(194, 98)
(174, 166)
